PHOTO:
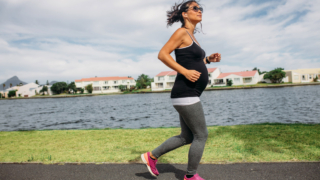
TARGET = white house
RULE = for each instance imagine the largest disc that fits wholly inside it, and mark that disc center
(165, 79)
(238, 78)
(105, 84)
(27, 90)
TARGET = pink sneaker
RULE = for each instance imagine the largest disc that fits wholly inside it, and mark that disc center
(195, 177)
(151, 164)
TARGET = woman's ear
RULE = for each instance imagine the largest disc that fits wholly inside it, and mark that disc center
(185, 15)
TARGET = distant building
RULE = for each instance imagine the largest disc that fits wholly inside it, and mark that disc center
(238, 78)
(302, 75)
(105, 84)
(165, 79)
(27, 90)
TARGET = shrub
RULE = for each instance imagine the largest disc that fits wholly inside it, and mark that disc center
(12, 93)
(229, 83)
(0, 95)
(81, 90)
(122, 88)
(19, 95)
(315, 79)
(89, 88)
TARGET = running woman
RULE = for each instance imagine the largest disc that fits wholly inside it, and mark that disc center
(191, 80)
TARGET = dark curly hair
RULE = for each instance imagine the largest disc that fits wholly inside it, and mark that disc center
(175, 14)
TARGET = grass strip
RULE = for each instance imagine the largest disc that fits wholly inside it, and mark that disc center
(240, 143)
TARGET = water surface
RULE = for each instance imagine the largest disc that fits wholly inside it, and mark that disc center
(221, 107)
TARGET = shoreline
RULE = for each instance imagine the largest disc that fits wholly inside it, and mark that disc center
(168, 91)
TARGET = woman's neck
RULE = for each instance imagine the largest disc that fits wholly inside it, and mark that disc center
(190, 26)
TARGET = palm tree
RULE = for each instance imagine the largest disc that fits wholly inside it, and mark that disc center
(10, 85)
(4, 85)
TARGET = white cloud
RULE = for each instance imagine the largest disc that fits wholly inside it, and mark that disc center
(68, 40)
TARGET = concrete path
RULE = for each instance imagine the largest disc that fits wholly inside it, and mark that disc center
(247, 171)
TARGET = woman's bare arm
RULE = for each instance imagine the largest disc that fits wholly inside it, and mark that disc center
(176, 40)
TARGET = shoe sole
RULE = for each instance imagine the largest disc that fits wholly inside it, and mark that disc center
(146, 163)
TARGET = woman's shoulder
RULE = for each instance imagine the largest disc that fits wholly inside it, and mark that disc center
(181, 32)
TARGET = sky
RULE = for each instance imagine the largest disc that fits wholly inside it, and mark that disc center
(59, 40)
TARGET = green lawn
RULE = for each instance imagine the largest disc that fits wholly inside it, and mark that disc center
(242, 143)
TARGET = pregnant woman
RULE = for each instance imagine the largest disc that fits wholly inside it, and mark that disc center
(191, 80)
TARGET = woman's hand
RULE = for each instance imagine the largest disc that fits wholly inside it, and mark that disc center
(192, 75)
(216, 57)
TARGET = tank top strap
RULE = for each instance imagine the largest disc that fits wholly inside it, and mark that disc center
(190, 35)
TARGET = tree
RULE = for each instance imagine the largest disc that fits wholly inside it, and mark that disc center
(44, 89)
(47, 83)
(256, 69)
(72, 86)
(89, 88)
(275, 75)
(4, 85)
(10, 85)
(59, 87)
(37, 82)
(81, 90)
(229, 82)
(143, 81)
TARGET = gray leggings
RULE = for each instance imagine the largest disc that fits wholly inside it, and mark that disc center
(193, 130)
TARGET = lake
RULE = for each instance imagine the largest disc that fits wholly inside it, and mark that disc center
(221, 107)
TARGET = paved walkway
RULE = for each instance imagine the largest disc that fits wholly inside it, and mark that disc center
(247, 171)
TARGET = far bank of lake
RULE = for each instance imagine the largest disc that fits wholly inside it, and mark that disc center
(143, 91)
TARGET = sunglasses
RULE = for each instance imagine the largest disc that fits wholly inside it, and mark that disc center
(196, 9)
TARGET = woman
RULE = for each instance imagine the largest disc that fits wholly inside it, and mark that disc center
(191, 80)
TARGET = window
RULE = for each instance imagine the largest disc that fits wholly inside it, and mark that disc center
(96, 88)
(96, 83)
(124, 81)
(115, 82)
(86, 83)
(106, 82)
(247, 80)
(105, 87)
(303, 77)
(296, 77)
(310, 76)
(218, 81)
(172, 77)
(236, 80)
(161, 78)
(116, 87)
(131, 81)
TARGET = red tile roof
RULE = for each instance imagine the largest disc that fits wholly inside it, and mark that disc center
(243, 74)
(104, 79)
(164, 73)
(171, 73)
(210, 70)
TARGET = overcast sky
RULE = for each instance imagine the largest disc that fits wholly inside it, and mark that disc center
(64, 40)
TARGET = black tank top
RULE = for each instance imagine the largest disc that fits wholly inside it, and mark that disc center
(191, 58)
